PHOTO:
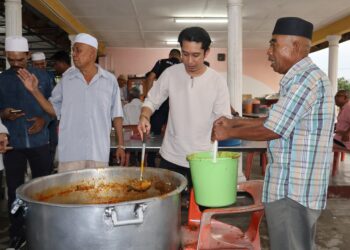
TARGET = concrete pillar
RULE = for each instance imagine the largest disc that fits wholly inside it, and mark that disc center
(13, 19)
(235, 61)
(234, 51)
(71, 39)
(333, 41)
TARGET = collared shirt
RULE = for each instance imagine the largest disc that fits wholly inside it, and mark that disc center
(299, 162)
(194, 102)
(85, 112)
(13, 94)
(343, 123)
(132, 112)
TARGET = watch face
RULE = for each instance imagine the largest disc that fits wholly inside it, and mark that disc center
(221, 57)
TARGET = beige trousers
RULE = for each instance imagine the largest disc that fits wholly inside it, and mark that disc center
(78, 165)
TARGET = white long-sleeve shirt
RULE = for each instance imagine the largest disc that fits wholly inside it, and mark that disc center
(132, 112)
(194, 104)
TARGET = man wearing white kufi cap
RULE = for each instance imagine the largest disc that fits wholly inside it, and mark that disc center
(38, 60)
(26, 122)
(86, 100)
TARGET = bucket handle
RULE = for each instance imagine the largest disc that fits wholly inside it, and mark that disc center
(17, 204)
(112, 214)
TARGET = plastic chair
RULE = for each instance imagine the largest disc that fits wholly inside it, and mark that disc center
(205, 232)
(135, 136)
(249, 163)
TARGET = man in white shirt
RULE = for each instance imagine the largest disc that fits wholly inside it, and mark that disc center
(123, 86)
(197, 96)
(86, 100)
(132, 109)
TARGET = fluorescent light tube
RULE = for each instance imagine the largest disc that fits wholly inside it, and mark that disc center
(172, 42)
(200, 20)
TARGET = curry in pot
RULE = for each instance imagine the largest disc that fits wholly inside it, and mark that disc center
(101, 192)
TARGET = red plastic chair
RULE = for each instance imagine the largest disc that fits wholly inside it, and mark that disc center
(205, 232)
(339, 152)
(135, 136)
(249, 163)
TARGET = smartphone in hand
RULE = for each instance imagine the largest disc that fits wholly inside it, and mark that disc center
(16, 111)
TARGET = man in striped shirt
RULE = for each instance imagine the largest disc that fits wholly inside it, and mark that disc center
(299, 130)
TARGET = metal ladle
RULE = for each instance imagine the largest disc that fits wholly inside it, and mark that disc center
(141, 185)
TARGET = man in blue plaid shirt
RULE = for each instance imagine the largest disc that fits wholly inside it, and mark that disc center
(299, 130)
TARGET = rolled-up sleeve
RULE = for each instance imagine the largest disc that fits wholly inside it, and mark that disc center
(289, 109)
(56, 99)
(116, 108)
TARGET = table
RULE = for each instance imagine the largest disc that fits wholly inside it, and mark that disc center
(254, 115)
(153, 145)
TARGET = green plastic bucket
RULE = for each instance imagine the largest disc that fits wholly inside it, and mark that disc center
(215, 184)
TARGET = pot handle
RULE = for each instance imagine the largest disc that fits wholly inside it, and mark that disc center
(17, 204)
(112, 214)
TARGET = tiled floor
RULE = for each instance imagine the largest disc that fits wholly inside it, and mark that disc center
(333, 228)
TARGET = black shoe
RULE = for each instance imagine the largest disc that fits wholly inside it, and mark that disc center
(17, 242)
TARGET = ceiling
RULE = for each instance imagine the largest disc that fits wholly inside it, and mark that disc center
(149, 23)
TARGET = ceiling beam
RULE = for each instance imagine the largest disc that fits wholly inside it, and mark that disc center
(60, 15)
(338, 27)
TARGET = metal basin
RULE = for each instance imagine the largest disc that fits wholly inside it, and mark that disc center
(148, 221)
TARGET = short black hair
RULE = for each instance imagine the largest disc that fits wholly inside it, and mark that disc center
(344, 92)
(134, 93)
(61, 56)
(175, 53)
(195, 34)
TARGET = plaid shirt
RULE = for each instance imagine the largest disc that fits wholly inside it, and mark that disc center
(299, 162)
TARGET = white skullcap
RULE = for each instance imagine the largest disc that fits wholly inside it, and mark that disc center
(38, 56)
(16, 43)
(87, 39)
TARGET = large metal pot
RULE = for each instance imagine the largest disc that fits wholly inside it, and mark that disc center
(151, 223)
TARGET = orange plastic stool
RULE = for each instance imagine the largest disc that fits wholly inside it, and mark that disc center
(205, 232)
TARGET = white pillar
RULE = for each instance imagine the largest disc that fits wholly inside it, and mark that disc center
(234, 51)
(333, 46)
(13, 19)
(71, 39)
(235, 61)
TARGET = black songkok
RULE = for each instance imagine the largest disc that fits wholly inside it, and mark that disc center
(294, 26)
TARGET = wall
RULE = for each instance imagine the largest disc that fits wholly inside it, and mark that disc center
(258, 77)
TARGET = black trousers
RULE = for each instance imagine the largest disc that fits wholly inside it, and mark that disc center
(15, 162)
(177, 168)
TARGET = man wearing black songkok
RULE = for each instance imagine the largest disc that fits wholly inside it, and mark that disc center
(299, 130)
